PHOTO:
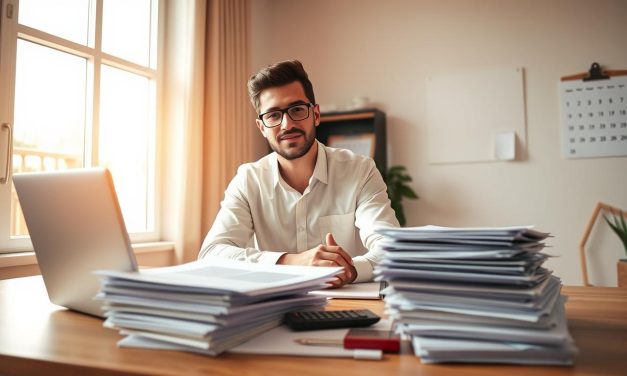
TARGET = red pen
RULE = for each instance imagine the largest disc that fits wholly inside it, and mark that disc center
(357, 338)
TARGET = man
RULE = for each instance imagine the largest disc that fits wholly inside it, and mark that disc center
(305, 204)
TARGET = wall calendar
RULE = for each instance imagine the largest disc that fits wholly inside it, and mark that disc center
(594, 115)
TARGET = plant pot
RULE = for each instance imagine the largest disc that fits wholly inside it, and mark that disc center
(621, 274)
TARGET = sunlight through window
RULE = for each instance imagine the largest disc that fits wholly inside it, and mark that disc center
(88, 105)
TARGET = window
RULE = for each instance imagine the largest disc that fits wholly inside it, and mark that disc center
(79, 88)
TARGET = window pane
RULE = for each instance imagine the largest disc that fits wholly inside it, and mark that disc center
(126, 30)
(126, 134)
(67, 19)
(49, 127)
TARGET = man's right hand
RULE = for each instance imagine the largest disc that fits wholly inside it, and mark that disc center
(324, 255)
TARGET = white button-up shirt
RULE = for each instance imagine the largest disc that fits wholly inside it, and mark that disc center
(346, 197)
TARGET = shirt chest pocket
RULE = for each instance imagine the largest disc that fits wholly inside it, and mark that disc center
(342, 226)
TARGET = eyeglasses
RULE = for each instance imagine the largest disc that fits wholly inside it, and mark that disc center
(296, 112)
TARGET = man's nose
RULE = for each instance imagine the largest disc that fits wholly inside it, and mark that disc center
(286, 121)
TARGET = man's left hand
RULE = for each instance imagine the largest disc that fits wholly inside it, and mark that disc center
(343, 278)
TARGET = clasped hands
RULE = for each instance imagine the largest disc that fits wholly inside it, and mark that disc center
(325, 255)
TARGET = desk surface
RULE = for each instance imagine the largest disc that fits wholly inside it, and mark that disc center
(37, 337)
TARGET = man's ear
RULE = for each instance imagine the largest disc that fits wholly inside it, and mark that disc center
(316, 112)
(261, 128)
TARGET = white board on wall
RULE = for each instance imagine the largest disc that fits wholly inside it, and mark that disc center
(468, 113)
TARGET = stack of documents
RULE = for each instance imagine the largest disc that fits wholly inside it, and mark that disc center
(207, 306)
(475, 295)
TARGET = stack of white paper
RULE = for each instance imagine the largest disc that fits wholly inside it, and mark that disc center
(475, 295)
(210, 305)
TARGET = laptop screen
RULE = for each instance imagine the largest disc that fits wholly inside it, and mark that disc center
(76, 226)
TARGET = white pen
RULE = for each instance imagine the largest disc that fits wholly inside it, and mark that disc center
(357, 353)
(320, 341)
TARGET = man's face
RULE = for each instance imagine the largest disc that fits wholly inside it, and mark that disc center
(291, 139)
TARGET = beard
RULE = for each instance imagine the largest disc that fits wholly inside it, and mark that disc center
(292, 152)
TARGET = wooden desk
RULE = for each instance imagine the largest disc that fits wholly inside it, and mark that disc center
(39, 338)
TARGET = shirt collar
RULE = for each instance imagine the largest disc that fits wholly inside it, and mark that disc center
(274, 166)
(320, 171)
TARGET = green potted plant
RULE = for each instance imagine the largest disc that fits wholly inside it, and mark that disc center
(396, 180)
(617, 223)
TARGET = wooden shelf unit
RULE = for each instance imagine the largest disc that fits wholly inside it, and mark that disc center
(356, 123)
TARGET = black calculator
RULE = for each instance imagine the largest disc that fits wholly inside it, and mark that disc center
(313, 320)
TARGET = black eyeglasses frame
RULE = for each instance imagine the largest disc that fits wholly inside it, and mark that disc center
(285, 111)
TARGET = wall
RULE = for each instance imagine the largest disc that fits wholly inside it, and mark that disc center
(386, 49)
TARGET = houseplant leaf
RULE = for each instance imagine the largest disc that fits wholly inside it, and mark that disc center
(619, 226)
(395, 179)
(406, 191)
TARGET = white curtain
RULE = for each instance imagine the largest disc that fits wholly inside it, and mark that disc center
(206, 114)
(228, 116)
(183, 111)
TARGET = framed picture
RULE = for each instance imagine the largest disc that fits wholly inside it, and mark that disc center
(362, 144)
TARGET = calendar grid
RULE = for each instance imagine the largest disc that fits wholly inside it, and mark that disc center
(594, 117)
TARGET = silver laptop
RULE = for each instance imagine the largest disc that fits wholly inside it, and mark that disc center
(76, 227)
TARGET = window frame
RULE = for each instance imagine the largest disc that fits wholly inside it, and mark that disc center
(11, 31)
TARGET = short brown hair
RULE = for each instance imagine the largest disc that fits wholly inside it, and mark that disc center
(279, 74)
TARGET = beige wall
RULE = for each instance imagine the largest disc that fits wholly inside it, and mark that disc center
(386, 49)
